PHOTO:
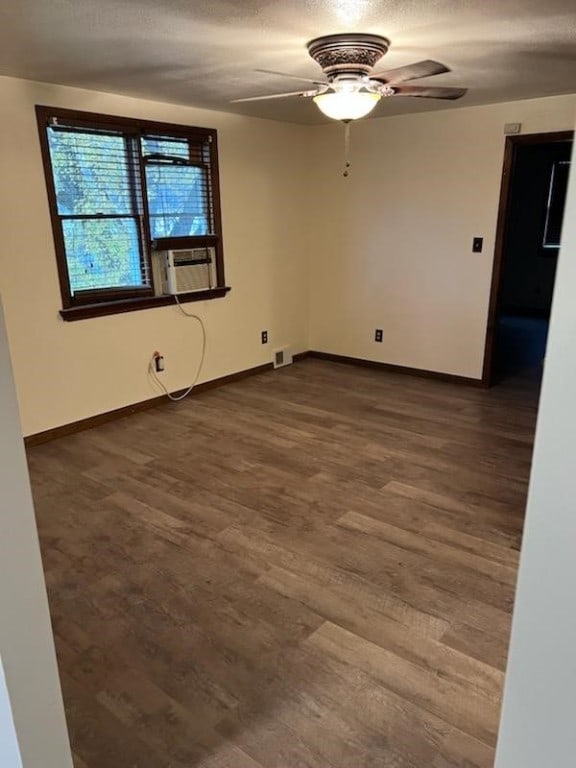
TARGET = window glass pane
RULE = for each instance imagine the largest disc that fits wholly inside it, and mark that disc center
(91, 173)
(157, 145)
(556, 203)
(103, 253)
(177, 200)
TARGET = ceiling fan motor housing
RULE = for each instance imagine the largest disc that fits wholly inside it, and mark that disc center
(347, 54)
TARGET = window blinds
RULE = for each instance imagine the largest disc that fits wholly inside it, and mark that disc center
(178, 185)
(99, 202)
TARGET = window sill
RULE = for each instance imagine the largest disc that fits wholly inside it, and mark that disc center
(134, 305)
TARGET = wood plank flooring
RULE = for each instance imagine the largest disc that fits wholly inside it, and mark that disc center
(311, 568)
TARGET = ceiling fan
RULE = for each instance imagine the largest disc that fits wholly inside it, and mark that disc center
(351, 89)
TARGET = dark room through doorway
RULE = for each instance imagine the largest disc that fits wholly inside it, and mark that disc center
(534, 188)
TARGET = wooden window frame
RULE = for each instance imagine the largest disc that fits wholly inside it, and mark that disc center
(117, 300)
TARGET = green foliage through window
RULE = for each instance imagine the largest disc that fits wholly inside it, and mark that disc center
(122, 193)
(95, 197)
(177, 189)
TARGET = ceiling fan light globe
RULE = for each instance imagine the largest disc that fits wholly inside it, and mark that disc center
(346, 105)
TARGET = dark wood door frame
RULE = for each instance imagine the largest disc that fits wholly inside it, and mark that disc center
(512, 142)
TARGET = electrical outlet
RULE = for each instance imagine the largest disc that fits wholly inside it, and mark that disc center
(264, 337)
(159, 364)
(378, 335)
(477, 244)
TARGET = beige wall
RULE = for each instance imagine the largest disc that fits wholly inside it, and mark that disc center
(392, 243)
(68, 371)
(318, 260)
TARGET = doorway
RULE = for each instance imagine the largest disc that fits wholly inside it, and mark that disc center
(533, 193)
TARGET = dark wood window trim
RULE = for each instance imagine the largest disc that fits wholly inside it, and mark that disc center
(97, 303)
(133, 305)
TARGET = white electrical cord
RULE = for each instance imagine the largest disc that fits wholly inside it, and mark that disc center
(152, 368)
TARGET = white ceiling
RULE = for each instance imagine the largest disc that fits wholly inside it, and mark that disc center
(205, 53)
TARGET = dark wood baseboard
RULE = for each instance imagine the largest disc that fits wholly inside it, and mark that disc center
(390, 368)
(144, 405)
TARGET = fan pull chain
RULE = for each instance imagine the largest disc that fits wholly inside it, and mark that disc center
(346, 147)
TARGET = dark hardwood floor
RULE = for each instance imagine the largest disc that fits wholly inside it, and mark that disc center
(309, 568)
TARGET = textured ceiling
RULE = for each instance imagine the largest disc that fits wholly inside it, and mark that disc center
(204, 54)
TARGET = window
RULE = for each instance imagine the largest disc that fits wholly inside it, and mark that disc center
(555, 206)
(123, 193)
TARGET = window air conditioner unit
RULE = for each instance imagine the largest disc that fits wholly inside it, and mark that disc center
(190, 269)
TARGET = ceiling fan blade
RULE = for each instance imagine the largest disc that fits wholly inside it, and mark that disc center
(411, 72)
(429, 93)
(291, 77)
(274, 96)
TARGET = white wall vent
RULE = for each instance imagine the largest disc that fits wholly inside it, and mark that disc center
(282, 357)
(188, 270)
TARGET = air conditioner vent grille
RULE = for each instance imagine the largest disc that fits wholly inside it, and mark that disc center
(189, 270)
